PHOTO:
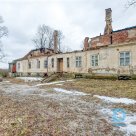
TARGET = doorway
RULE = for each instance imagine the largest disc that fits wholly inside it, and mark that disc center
(60, 65)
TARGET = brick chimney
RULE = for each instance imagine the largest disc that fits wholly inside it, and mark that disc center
(108, 19)
(86, 44)
(55, 34)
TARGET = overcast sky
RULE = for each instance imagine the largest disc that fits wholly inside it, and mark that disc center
(75, 18)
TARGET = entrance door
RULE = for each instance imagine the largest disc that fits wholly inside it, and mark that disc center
(60, 65)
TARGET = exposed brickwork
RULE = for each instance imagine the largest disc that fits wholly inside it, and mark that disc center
(113, 37)
(100, 41)
(55, 34)
(116, 37)
(108, 19)
(86, 44)
(119, 37)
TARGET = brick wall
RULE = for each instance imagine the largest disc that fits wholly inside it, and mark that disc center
(100, 41)
(86, 44)
(117, 37)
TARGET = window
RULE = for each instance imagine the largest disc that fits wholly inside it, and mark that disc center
(94, 60)
(38, 63)
(124, 58)
(18, 65)
(52, 62)
(45, 63)
(68, 63)
(29, 65)
(78, 61)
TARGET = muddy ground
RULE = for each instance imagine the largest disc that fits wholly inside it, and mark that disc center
(28, 109)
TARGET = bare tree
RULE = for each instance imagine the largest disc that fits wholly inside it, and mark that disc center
(3, 32)
(67, 49)
(2, 54)
(44, 37)
(130, 3)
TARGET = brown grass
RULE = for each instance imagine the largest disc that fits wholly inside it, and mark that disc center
(35, 116)
(114, 88)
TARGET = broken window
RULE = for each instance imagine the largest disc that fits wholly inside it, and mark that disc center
(94, 59)
(78, 61)
(38, 63)
(68, 63)
(124, 58)
(52, 62)
(45, 63)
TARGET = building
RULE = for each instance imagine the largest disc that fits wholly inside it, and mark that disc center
(113, 53)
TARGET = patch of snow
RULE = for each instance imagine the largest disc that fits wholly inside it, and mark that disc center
(129, 127)
(52, 83)
(59, 84)
(30, 79)
(69, 80)
(69, 92)
(116, 100)
(106, 111)
(6, 81)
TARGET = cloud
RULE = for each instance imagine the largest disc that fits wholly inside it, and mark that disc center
(75, 18)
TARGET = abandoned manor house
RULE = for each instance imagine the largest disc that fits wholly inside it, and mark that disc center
(113, 53)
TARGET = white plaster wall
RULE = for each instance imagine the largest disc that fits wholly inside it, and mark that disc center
(108, 61)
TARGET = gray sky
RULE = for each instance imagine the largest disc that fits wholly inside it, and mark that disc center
(76, 18)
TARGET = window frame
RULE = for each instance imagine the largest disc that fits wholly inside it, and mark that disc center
(46, 63)
(52, 62)
(78, 60)
(124, 58)
(94, 61)
(68, 62)
(38, 64)
(18, 66)
(29, 65)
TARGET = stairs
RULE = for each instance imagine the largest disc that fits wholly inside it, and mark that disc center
(52, 77)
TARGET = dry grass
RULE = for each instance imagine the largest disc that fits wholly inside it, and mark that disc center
(56, 115)
(113, 88)
(50, 115)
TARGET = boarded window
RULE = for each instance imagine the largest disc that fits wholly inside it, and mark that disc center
(94, 60)
(124, 58)
(78, 61)
(45, 63)
(68, 62)
(52, 62)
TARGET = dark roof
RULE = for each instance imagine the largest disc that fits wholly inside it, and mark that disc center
(14, 61)
(128, 28)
